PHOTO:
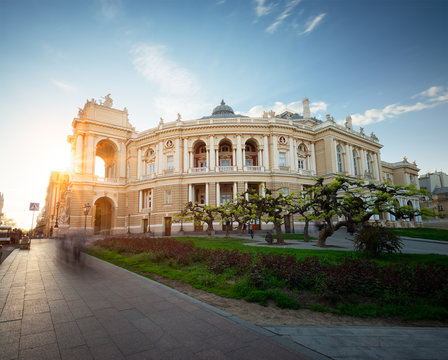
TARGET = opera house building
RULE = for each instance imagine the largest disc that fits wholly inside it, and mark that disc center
(150, 175)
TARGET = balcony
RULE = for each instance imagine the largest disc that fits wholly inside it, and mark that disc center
(198, 170)
(109, 181)
(306, 172)
(226, 168)
(253, 168)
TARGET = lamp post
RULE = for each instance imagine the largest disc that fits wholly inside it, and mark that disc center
(57, 215)
(86, 209)
(149, 223)
(129, 223)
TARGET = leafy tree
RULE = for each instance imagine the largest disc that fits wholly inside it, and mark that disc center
(199, 214)
(303, 203)
(270, 208)
(358, 202)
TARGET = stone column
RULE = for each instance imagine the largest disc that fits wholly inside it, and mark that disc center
(191, 160)
(212, 153)
(335, 147)
(206, 194)
(161, 158)
(235, 189)
(79, 151)
(186, 158)
(259, 158)
(122, 160)
(275, 153)
(139, 164)
(190, 192)
(348, 159)
(378, 167)
(244, 157)
(313, 160)
(177, 157)
(207, 158)
(266, 152)
(245, 189)
(292, 159)
(239, 161)
(218, 194)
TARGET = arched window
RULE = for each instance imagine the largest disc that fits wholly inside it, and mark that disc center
(339, 158)
(302, 148)
(355, 163)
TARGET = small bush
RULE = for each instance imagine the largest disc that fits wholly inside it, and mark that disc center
(372, 241)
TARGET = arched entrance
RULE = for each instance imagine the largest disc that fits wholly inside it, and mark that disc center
(103, 216)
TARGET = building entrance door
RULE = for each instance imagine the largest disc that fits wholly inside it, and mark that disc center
(287, 224)
(198, 227)
(145, 225)
(167, 226)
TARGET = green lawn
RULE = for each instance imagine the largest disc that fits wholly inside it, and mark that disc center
(422, 233)
(331, 255)
(264, 287)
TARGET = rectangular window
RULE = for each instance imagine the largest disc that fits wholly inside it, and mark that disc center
(285, 191)
(151, 168)
(301, 164)
(169, 162)
(167, 197)
(226, 198)
(225, 162)
(147, 199)
(248, 162)
(282, 159)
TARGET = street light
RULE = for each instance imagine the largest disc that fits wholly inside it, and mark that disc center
(149, 223)
(57, 215)
(86, 209)
(129, 223)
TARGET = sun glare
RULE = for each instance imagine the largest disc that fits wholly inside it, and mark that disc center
(100, 167)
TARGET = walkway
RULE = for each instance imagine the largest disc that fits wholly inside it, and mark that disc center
(342, 241)
(56, 310)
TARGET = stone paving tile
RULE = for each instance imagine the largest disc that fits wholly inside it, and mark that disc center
(11, 351)
(79, 309)
(35, 306)
(38, 339)
(77, 353)
(131, 343)
(36, 323)
(211, 354)
(68, 335)
(45, 352)
(106, 351)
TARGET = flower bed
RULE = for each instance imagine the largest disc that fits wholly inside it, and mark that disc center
(384, 285)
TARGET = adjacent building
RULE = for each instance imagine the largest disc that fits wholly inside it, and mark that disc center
(148, 176)
(436, 184)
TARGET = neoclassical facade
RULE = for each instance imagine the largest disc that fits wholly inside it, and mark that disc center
(149, 176)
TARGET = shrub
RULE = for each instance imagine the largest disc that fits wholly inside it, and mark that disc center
(372, 241)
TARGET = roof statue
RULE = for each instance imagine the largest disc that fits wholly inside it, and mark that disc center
(272, 113)
(414, 162)
(161, 121)
(265, 115)
(80, 113)
(179, 116)
(306, 108)
(328, 117)
(125, 110)
(373, 136)
(348, 122)
(361, 130)
(108, 102)
(405, 159)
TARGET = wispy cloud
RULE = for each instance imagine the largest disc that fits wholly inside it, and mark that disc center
(290, 5)
(110, 8)
(62, 85)
(177, 89)
(313, 22)
(433, 97)
(261, 9)
(153, 63)
(279, 107)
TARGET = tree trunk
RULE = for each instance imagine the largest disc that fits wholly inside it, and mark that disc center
(323, 234)
(306, 235)
(278, 231)
(228, 225)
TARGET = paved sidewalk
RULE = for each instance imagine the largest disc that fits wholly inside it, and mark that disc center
(361, 342)
(342, 241)
(56, 310)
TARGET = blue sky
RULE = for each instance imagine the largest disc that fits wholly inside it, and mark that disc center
(383, 62)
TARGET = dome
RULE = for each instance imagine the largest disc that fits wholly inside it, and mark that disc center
(222, 109)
